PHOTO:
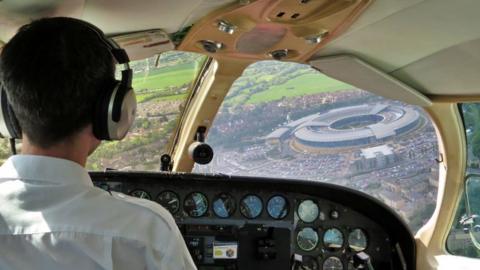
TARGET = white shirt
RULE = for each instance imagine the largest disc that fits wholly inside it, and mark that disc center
(52, 217)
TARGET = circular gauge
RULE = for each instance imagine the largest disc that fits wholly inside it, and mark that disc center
(169, 200)
(277, 207)
(142, 194)
(307, 239)
(308, 211)
(308, 263)
(357, 240)
(332, 263)
(333, 238)
(251, 206)
(224, 205)
(196, 204)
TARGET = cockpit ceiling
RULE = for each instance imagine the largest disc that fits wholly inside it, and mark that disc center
(112, 16)
(431, 45)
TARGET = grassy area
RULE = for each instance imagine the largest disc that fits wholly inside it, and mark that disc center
(303, 85)
(163, 80)
(150, 88)
(171, 98)
(160, 96)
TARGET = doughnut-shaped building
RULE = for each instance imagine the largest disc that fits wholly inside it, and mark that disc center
(348, 127)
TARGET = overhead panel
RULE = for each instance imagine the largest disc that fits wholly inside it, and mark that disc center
(272, 29)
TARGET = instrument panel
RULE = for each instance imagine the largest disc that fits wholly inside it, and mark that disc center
(248, 223)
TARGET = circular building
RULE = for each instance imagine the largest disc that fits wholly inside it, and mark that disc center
(348, 127)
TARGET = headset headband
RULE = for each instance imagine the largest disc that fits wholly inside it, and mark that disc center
(121, 56)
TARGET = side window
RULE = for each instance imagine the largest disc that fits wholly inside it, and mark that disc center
(464, 237)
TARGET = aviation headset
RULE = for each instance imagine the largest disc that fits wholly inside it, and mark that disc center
(114, 111)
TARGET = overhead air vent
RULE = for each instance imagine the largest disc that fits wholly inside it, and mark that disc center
(294, 16)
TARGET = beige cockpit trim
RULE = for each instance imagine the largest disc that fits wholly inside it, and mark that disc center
(431, 238)
(264, 26)
(211, 91)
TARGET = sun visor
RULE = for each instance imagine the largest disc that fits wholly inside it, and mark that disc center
(141, 45)
(358, 73)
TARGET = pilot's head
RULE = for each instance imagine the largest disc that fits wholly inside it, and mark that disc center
(53, 71)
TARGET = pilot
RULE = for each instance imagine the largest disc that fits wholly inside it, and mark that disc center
(54, 72)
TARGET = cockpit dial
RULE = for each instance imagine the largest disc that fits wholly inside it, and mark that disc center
(169, 200)
(333, 239)
(332, 263)
(308, 211)
(357, 240)
(251, 206)
(224, 205)
(196, 204)
(307, 239)
(277, 207)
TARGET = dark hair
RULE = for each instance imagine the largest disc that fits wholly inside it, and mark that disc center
(54, 71)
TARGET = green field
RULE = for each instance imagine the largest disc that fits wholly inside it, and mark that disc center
(158, 84)
(159, 96)
(166, 77)
(306, 84)
(171, 98)
(149, 87)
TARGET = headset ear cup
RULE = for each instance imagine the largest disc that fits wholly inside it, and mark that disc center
(16, 130)
(128, 105)
(101, 114)
(9, 126)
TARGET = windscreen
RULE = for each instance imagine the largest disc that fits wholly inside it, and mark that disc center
(287, 120)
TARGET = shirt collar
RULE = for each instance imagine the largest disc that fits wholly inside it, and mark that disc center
(43, 168)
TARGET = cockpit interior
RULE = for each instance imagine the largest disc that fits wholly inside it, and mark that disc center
(297, 134)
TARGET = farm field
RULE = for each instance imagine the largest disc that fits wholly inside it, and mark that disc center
(307, 84)
(168, 77)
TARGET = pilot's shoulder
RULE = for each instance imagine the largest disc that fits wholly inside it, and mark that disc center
(142, 213)
(153, 208)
